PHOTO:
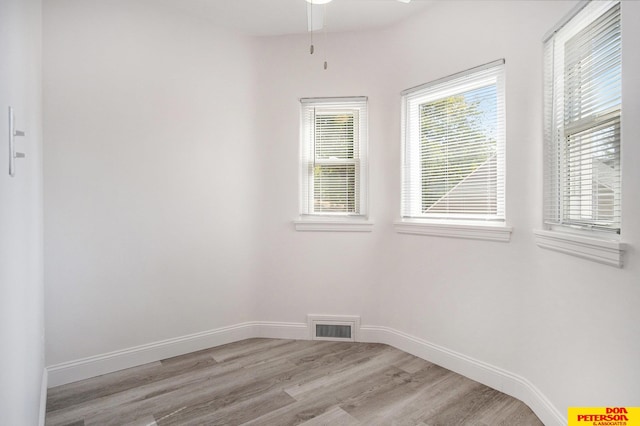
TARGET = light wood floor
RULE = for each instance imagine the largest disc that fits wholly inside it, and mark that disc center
(286, 382)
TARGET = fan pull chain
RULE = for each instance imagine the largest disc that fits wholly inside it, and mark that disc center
(311, 49)
(324, 30)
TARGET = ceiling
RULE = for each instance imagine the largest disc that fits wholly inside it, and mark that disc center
(280, 17)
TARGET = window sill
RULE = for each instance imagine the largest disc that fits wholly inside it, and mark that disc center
(333, 225)
(609, 252)
(467, 230)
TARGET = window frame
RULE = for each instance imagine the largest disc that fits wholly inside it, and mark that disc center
(560, 193)
(570, 236)
(475, 226)
(310, 219)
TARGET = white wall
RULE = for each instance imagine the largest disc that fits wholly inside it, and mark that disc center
(139, 248)
(21, 291)
(149, 181)
(565, 324)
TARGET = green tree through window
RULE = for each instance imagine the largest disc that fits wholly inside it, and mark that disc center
(457, 137)
(453, 164)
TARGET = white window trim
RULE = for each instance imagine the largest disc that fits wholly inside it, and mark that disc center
(598, 246)
(560, 224)
(476, 229)
(327, 224)
(489, 231)
(338, 222)
(608, 252)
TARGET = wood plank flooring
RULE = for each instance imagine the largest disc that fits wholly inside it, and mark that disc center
(285, 382)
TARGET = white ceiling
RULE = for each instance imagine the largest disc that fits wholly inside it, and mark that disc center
(279, 17)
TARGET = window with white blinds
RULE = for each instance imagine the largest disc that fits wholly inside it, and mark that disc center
(582, 120)
(333, 152)
(454, 147)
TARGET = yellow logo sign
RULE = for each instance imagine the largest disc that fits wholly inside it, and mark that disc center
(604, 416)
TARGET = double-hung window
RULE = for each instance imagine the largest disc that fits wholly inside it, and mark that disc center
(583, 91)
(582, 129)
(333, 154)
(453, 132)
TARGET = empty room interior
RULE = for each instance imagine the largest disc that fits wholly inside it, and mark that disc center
(326, 213)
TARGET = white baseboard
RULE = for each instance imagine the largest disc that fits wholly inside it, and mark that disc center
(85, 368)
(497, 378)
(282, 330)
(43, 397)
(487, 374)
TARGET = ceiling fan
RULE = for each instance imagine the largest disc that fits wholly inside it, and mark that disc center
(316, 13)
(316, 19)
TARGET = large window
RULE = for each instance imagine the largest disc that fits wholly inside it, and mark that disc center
(582, 121)
(454, 147)
(333, 157)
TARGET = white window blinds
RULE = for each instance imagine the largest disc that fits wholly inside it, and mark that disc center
(333, 156)
(454, 147)
(582, 120)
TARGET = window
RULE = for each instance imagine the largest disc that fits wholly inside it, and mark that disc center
(582, 121)
(333, 157)
(583, 75)
(454, 148)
